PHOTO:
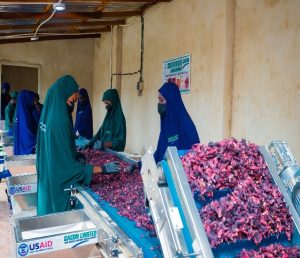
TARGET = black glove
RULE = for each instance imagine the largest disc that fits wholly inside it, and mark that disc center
(134, 166)
(80, 157)
(111, 168)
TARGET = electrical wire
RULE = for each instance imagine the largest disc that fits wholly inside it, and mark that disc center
(148, 13)
(120, 74)
(142, 48)
(48, 19)
(140, 71)
(110, 58)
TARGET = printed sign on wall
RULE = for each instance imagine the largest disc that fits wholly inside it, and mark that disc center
(178, 71)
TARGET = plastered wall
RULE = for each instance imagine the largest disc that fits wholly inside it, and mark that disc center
(101, 79)
(54, 58)
(244, 69)
(267, 72)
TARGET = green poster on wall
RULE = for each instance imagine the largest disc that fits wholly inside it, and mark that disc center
(178, 71)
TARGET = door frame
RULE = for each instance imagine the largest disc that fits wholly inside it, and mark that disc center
(23, 64)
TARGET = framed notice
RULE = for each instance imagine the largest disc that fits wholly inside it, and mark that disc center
(178, 71)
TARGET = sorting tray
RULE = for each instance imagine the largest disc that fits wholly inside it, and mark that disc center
(22, 193)
(66, 234)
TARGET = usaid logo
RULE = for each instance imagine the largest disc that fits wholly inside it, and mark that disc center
(12, 190)
(23, 249)
(19, 189)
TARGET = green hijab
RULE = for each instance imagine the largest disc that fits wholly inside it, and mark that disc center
(14, 95)
(113, 128)
(57, 167)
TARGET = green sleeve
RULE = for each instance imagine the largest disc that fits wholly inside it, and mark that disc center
(117, 145)
(118, 138)
(88, 171)
(94, 139)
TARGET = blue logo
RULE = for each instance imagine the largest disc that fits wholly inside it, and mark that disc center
(12, 190)
(23, 249)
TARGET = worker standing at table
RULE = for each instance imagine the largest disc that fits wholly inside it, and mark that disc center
(176, 126)
(112, 133)
(84, 116)
(24, 130)
(57, 166)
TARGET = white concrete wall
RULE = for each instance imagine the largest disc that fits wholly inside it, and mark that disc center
(267, 72)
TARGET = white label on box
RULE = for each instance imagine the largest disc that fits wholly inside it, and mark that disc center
(61, 242)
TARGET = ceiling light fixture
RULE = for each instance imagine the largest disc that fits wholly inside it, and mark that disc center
(35, 38)
(59, 6)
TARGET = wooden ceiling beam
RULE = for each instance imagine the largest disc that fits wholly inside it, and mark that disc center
(66, 15)
(61, 31)
(3, 2)
(43, 38)
(48, 8)
(102, 6)
(62, 25)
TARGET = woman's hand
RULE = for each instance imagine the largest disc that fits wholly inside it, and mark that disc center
(97, 170)
(107, 144)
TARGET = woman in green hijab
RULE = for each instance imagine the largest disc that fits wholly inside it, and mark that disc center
(112, 133)
(57, 166)
(10, 113)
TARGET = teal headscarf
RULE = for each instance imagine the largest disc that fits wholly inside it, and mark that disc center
(14, 95)
(57, 167)
(113, 128)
